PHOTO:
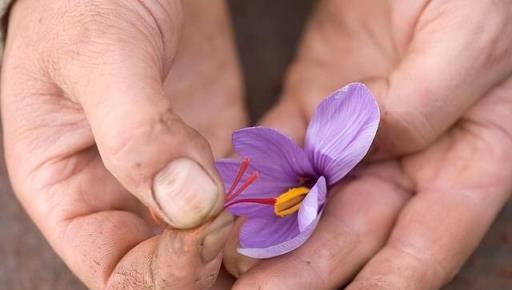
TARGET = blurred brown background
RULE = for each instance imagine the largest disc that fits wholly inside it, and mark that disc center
(267, 32)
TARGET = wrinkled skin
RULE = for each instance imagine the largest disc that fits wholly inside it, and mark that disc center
(85, 85)
(441, 167)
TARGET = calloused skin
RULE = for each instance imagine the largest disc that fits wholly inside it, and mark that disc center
(97, 96)
(441, 167)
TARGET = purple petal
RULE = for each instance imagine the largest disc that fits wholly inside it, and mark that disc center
(268, 231)
(311, 205)
(270, 236)
(251, 210)
(342, 130)
(264, 187)
(273, 154)
(289, 245)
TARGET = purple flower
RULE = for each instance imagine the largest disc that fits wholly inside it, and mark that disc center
(281, 188)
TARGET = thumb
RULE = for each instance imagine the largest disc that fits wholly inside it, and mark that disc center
(449, 64)
(117, 79)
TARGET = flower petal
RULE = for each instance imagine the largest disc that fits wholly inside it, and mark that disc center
(312, 204)
(273, 153)
(270, 236)
(263, 187)
(342, 130)
(251, 210)
(262, 252)
(267, 231)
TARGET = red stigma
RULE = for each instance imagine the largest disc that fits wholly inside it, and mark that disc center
(243, 167)
(235, 190)
(267, 201)
(244, 186)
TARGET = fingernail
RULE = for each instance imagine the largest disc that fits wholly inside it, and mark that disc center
(216, 236)
(185, 193)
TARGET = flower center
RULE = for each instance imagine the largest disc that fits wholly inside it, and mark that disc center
(290, 201)
(285, 204)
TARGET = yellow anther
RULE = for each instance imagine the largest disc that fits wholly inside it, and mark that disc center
(290, 201)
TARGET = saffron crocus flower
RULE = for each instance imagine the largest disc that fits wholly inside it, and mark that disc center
(281, 188)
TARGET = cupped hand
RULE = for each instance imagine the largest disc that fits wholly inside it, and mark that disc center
(441, 167)
(99, 102)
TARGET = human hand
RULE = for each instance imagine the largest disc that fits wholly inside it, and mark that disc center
(91, 93)
(441, 167)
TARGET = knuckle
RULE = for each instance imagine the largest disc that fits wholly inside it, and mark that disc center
(120, 140)
(143, 144)
(128, 144)
(128, 132)
(131, 155)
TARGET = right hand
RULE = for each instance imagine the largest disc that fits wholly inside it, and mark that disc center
(441, 168)
(93, 139)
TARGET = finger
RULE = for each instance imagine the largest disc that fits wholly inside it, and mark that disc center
(114, 250)
(445, 221)
(104, 239)
(179, 259)
(235, 263)
(118, 81)
(447, 66)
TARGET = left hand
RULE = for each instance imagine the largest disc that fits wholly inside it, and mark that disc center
(94, 94)
(441, 168)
